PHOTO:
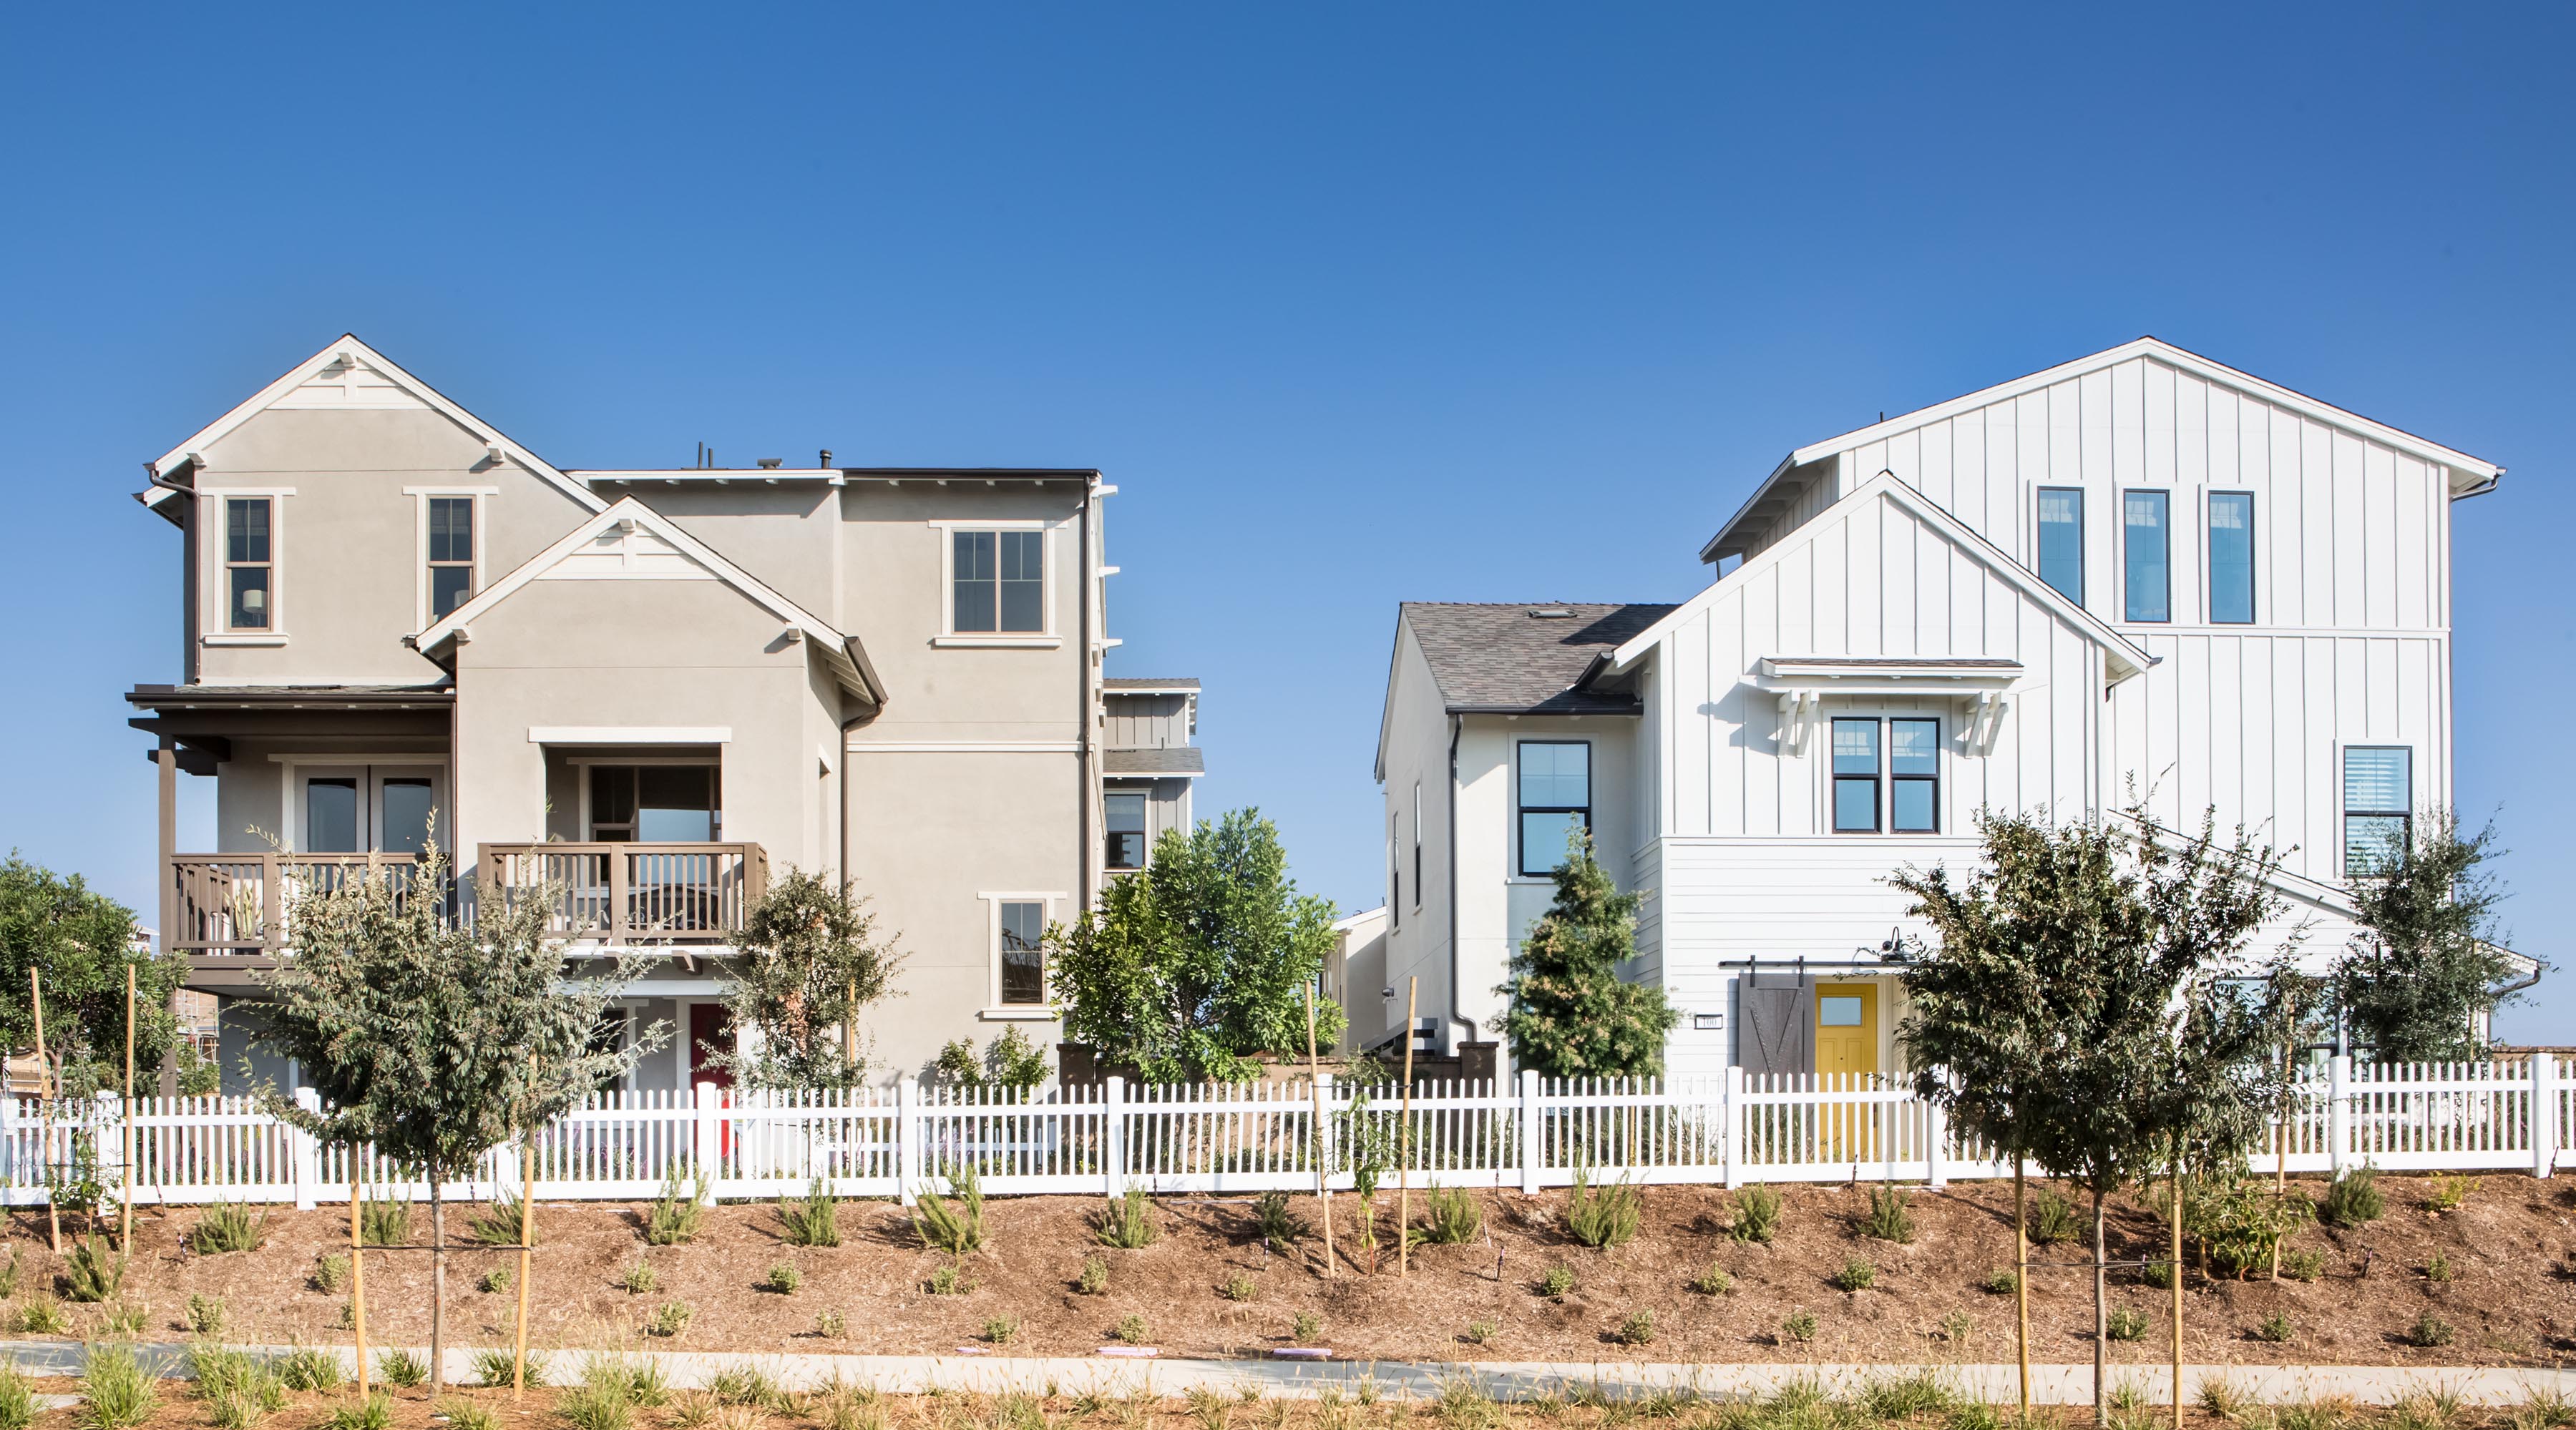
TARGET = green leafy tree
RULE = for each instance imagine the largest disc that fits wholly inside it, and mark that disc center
(433, 1039)
(1198, 959)
(812, 966)
(1571, 1014)
(2078, 1004)
(2420, 980)
(1011, 1062)
(82, 942)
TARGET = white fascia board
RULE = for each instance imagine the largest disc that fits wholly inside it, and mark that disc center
(719, 476)
(348, 343)
(630, 734)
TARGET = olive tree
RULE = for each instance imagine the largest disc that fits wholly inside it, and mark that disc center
(813, 963)
(2426, 969)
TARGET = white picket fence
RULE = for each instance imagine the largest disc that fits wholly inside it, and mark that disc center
(1724, 1130)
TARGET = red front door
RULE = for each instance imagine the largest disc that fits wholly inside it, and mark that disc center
(710, 1032)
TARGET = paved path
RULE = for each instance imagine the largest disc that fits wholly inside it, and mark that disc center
(1068, 1375)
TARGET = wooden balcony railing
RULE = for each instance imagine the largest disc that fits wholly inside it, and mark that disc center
(635, 893)
(237, 904)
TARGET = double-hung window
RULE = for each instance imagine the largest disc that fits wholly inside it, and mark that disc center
(1123, 817)
(1555, 801)
(451, 553)
(2061, 540)
(2378, 805)
(2231, 558)
(250, 564)
(997, 582)
(1022, 953)
(1887, 775)
(2146, 544)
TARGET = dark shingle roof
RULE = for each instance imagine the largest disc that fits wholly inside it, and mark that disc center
(1500, 659)
(1163, 760)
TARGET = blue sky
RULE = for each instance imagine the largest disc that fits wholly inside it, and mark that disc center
(1356, 304)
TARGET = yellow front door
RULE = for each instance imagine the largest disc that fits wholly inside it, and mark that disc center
(1847, 1056)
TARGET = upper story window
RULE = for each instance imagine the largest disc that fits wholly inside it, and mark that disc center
(250, 564)
(1123, 819)
(451, 553)
(1555, 801)
(2378, 805)
(1022, 952)
(1394, 872)
(663, 804)
(2146, 545)
(2231, 558)
(2061, 540)
(1887, 775)
(997, 582)
(1417, 844)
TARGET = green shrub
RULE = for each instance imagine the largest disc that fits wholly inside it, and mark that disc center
(17, 1399)
(2053, 1219)
(2224, 1399)
(376, 1412)
(494, 1367)
(1001, 1329)
(1305, 1326)
(2303, 1265)
(1857, 1274)
(348, 1318)
(2124, 1324)
(2158, 1274)
(1638, 1329)
(959, 1231)
(1132, 1329)
(499, 1223)
(228, 1227)
(384, 1222)
(463, 1414)
(1907, 1397)
(744, 1385)
(127, 1318)
(1888, 1218)
(206, 1315)
(590, 1407)
(402, 1369)
(668, 1320)
(783, 1279)
(1974, 1415)
(2002, 1281)
(2440, 1270)
(1958, 1327)
(2429, 1331)
(1603, 1216)
(117, 1389)
(830, 1324)
(496, 1280)
(947, 1280)
(43, 1317)
(1239, 1287)
(1713, 1282)
(1800, 1327)
(1456, 1217)
(1128, 1222)
(2451, 1192)
(331, 1273)
(639, 1279)
(1094, 1279)
(811, 1220)
(2275, 1328)
(1480, 1332)
(307, 1368)
(1757, 1214)
(1558, 1281)
(9, 1275)
(2353, 1199)
(239, 1391)
(1275, 1223)
(679, 1212)
(94, 1271)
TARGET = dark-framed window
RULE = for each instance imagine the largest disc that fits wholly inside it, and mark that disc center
(1023, 952)
(665, 804)
(1914, 776)
(1394, 871)
(451, 553)
(997, 582)
(1555, 801)
(2231, 558)
(1417, 844)
(250, 564)
(1123, 818)
(2378, 805)
(2061, 540)
(2146, 553)
(1856, 772)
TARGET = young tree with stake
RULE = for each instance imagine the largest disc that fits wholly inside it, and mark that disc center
(435, 1040)
(812, 965)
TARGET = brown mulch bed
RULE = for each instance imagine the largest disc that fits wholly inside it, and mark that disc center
(2512, 1299)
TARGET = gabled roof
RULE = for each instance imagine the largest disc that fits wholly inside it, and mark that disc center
(2469, 475)
(2124, 657)
(1524, 658)
(362, 368)
(842, 652)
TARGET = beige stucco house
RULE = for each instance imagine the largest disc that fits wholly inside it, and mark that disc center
(655, 689)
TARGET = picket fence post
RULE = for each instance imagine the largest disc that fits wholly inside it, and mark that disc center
(1733, 1112)
(1113, 1137)
(10, 1114)
(907, 1139)
(306, 1158)
(2544, 1113)
(706, 1137)
(1533, 1135)
(2338, 1112)
(1936, 1139)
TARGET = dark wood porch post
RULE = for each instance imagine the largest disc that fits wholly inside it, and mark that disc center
(166, 763)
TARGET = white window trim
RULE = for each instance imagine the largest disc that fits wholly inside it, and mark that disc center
(995, 1010)
(2415, 804)
(1046, 639)
(630, 734)
(214, 590)
(421, 616)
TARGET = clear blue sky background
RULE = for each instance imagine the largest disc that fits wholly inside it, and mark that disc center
(1355, 303)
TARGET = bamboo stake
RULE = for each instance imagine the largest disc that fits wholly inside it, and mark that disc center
(45, 1099)
(2281, 1151)
(1404, 1145)
(2021, 1276)
(125, 1237)
(527, 1240)
(2177, 1283)
(357, 1272)
(1315, 1087)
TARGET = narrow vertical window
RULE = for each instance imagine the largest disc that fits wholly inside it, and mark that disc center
(1856, 772)
(2061, 540)
(1124, 820)
(971, 576)
(249, 565)
(1023, 953)
(2231, 558)
(1417, 844)
(1914, 774)
(1555, 801)
(1394, 871)
(451, 553)
(2146, 549)
(2378, 805)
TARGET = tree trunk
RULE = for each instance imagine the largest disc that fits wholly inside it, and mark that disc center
(437, 1283)
(2101, 1316)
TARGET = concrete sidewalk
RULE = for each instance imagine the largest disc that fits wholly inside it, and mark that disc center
(1504, 1380)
